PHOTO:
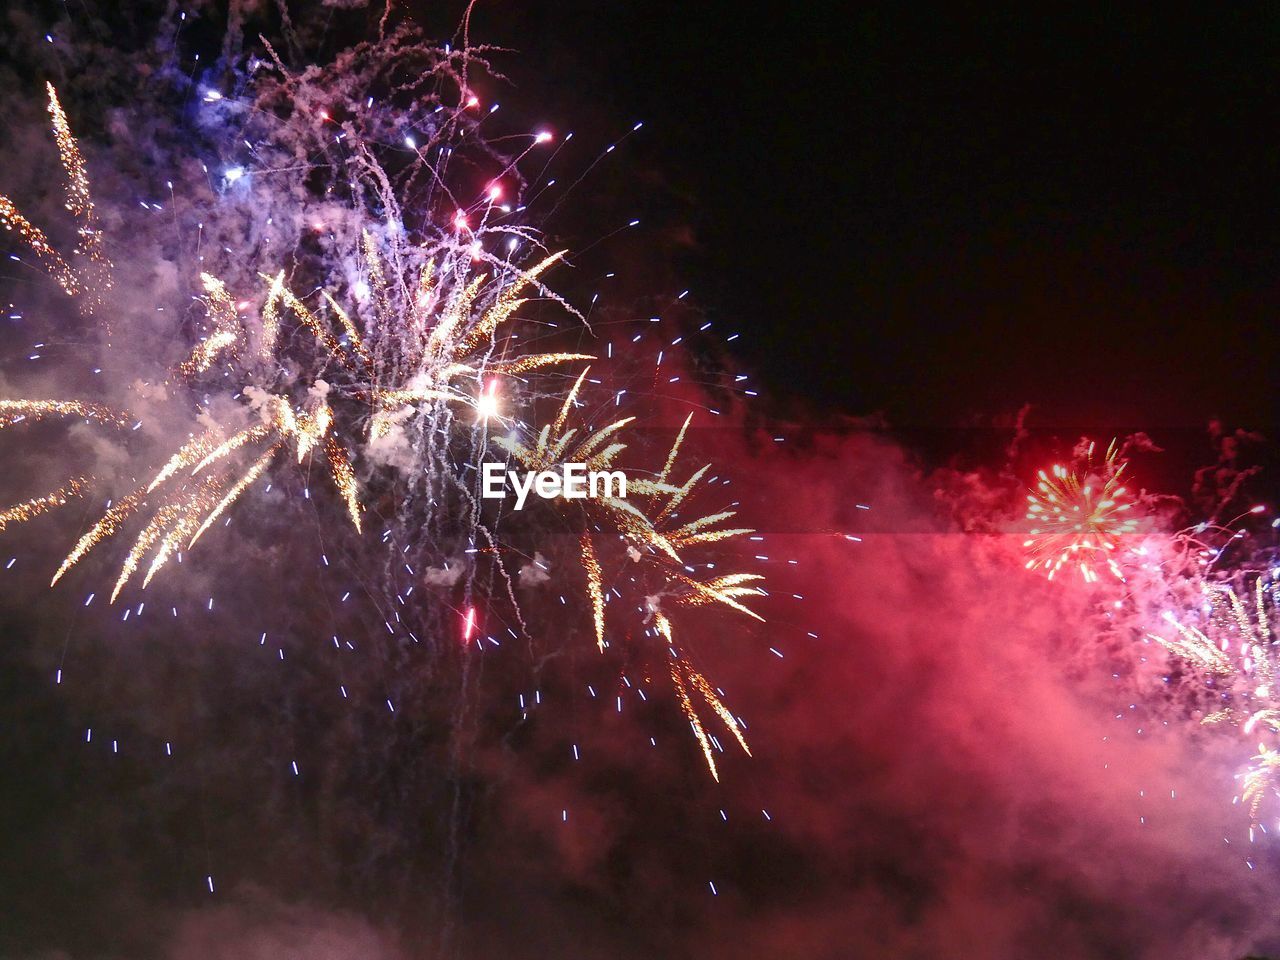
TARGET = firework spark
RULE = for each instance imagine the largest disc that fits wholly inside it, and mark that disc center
(90, 282)
(594, 588)
(641, 528)
(22, 512)
(17, 411)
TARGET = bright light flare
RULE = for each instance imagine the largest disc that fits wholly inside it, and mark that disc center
(487, 402)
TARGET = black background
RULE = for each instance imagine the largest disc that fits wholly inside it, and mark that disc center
(941, 215)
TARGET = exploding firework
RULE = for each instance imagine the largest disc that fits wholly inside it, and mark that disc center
(652, 541)
(1230, 646)
(1080, 515)
(392, 351)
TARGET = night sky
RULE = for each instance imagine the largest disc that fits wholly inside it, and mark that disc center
(1074, 210)
(920, 223)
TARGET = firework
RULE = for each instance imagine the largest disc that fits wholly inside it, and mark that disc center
(90, 281)
(594, 588)
(683, 677)
(1080, 515)
(642, 529)
(393, 346)
(17, 411)
(1232, 648)
(22, 512)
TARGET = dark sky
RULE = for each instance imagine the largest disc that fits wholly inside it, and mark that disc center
(937, 214)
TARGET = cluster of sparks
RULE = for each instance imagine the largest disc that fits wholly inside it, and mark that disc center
(653, 537)
(424, 340)
(1233, 650)
(22, 512)
(94, 278)
(1079, 516)
(1225, 636)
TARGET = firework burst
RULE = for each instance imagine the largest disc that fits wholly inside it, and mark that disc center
(1079, 516)
(389, 359)
(1230, 646)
